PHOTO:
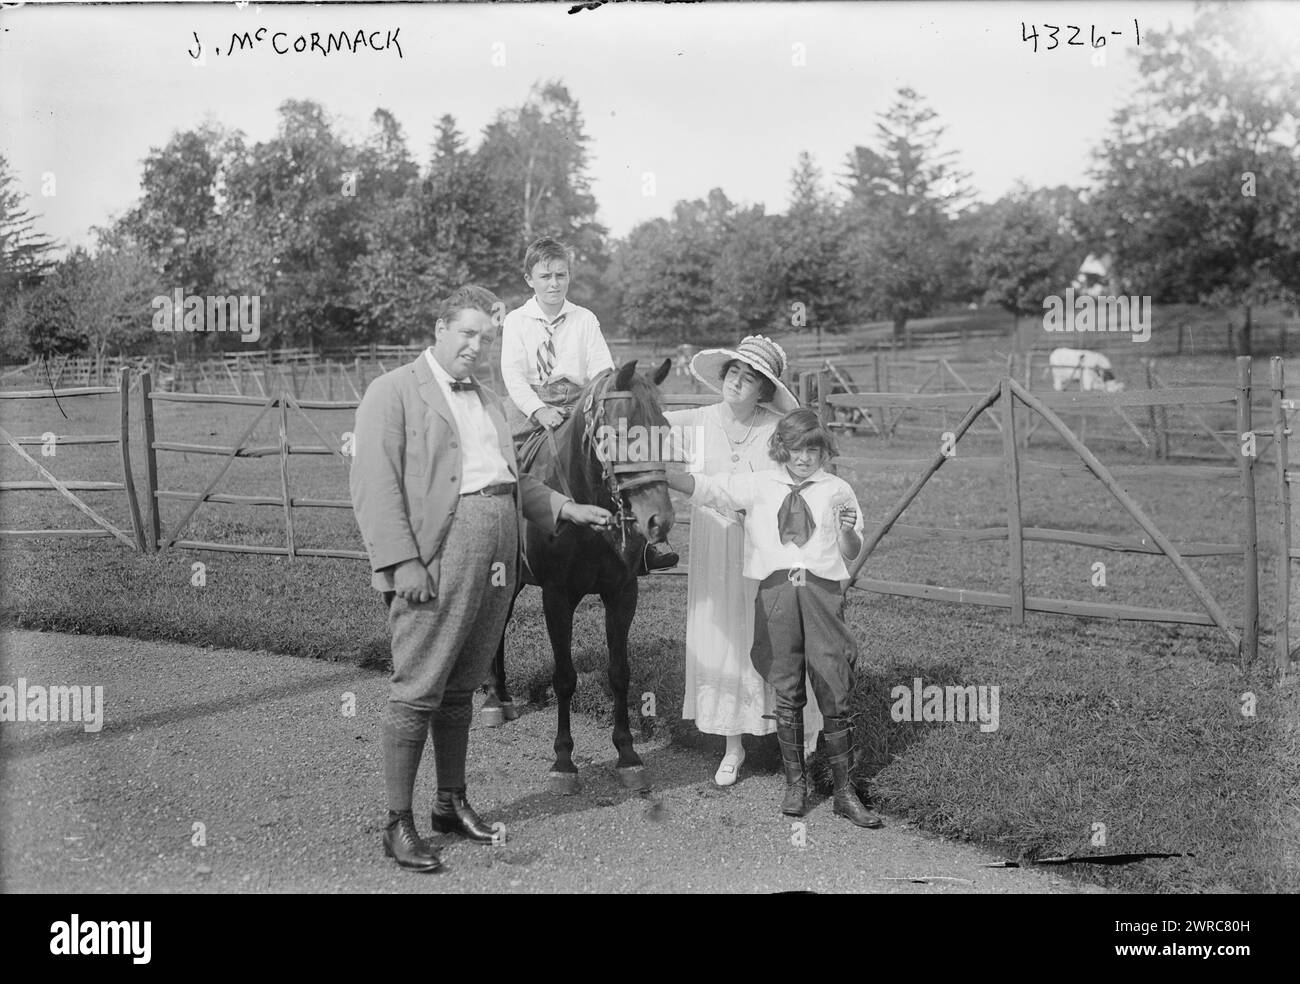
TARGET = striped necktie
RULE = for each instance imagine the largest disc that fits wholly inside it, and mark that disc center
(546, 354)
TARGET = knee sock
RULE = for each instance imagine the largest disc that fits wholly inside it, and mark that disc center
(734, 745)
(449, 729)
(404, 729)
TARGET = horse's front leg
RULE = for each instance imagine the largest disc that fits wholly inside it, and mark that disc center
(559, 626)
(499, 706)
(620, 608)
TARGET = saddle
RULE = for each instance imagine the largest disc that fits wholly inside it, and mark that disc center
(561, 393)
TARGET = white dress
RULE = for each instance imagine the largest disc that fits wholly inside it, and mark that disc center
(724, 693)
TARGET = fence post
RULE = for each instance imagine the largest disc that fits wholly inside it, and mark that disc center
(1015, 536)
(823, 389)
(284, 474)
(150, 459)
(124, 442)
(943, 388)
(1250, 553)
(1149, 366)
(1282, 637)
(1026, 417)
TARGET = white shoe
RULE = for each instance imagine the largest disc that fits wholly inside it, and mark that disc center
(729, 771)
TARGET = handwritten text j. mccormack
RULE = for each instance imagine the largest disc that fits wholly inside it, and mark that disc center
(284, 42)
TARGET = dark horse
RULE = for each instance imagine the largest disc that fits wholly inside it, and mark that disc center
(578, 561)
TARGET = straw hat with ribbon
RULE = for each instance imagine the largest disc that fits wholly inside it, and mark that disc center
(758, 352)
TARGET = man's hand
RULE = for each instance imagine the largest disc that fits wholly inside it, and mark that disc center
(549, 417)
(576, 512)
(411, 581)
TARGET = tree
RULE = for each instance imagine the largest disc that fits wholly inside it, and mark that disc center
(394, 283)
(294, 225)
(705, 275)
(815, 279)
(1198, 185)
(40, 322)
(25, 255)
(98, 301)
(178, 209)
(1027, 249)
(902, 197)
(536, 159)
(464, 227)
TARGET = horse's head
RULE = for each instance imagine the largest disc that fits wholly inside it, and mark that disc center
(629, 437)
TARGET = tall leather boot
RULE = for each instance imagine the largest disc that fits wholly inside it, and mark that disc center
(789, 734)
(839, 747)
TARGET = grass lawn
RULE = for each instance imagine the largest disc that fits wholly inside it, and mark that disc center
(1130, 731)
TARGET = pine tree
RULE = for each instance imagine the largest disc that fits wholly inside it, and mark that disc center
(25, 255)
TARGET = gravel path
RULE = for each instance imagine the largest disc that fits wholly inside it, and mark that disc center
(288, 789)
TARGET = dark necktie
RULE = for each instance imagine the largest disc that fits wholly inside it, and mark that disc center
(461, 386)
(794, 518)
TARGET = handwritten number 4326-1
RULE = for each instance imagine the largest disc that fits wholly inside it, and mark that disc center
(1053, 32)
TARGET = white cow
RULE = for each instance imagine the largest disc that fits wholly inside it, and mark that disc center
(1090, 369)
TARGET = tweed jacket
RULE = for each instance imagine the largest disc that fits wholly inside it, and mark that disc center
(406, 472)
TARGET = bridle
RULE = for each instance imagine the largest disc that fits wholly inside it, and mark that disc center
(619, 475)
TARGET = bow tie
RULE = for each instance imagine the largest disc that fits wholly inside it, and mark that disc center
(794, 518)
(460, 386)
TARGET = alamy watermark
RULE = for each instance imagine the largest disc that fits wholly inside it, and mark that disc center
(655, 442)
(1088, 313)
(215, 312)
(951, 704)
(102, 937)
(56, 703)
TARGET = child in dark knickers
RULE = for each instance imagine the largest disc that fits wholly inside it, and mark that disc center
(801, 524)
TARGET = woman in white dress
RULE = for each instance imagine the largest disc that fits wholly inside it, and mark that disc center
(724, 693)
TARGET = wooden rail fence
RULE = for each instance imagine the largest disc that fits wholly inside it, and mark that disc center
(1007, 394)
(68, 488)
(1011, 394)
(283, 449)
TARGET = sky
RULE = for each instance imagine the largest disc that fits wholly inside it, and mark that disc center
(696, 96)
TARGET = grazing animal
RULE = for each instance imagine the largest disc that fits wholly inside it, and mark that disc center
(577, 561)
(1091, 370)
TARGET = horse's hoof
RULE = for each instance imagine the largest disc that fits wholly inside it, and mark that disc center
(564, 783)
(634, 777)
(492, 717)
(510, 710)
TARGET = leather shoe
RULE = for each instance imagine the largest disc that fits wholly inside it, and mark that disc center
(452, 814)
(729, 771)
(658, 557)
(403, 844)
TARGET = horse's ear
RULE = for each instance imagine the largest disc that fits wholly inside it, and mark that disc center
(624, 378)
(662, 372)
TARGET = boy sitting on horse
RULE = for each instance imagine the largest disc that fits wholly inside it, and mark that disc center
(801, 524)
(550, 349)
